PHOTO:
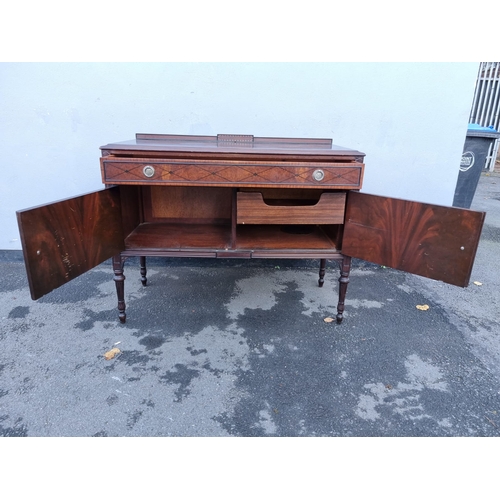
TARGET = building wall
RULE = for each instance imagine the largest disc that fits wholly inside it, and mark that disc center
(409, 118)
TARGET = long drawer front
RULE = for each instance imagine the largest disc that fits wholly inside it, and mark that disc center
(232, 173)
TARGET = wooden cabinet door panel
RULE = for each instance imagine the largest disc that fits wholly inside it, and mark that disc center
(433, 241)
(65, 239)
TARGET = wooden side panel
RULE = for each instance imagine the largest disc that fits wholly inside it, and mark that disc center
(65, 239)
(131, 208)
(429, 240)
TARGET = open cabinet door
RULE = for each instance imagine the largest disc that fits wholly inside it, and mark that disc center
(65, 239)
(429, 240)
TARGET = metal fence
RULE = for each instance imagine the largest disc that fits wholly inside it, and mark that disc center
(486, 104)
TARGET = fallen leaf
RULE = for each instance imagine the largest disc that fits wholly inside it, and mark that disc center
(423, 308)
(111, 354)
(478, 283)
(328, 320)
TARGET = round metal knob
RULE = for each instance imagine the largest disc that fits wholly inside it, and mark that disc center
(148, 171)
(318, 175)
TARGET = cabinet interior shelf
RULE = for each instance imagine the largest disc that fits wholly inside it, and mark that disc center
(164, 236)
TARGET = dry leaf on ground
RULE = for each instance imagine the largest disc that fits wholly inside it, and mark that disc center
(423, 308)
(111, 354)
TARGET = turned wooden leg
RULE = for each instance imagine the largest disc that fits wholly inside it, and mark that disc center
(120, 286)
(345, 269)
(144, 280)
(322, 271)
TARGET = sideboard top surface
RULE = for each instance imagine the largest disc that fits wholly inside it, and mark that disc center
(230, 145)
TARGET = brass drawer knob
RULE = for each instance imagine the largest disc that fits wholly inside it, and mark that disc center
(148, 171)
(318, 175)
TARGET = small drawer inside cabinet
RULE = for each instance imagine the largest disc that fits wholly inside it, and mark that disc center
(252, 208)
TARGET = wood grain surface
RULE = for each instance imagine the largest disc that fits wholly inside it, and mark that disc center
(429, 240)
(65, 239)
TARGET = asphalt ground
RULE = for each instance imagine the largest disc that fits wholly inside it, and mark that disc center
(240, 348)
(215, 348)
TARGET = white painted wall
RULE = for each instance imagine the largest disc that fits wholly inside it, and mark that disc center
(410, 119)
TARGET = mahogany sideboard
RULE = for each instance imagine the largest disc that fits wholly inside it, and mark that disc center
(240, 196)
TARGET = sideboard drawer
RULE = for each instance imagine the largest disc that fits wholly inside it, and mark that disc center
(231, 173)
(253, 209)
